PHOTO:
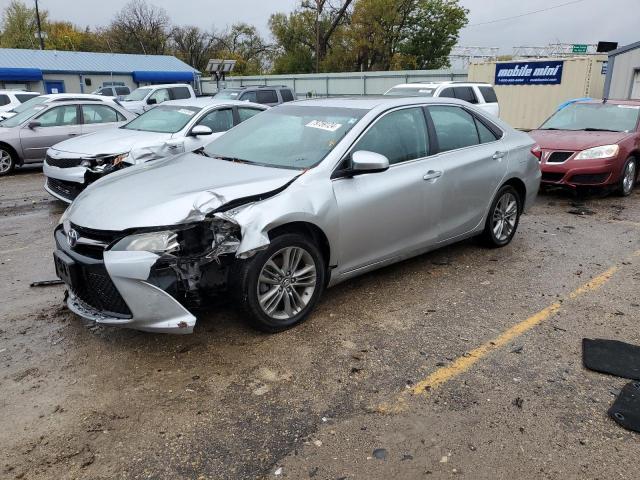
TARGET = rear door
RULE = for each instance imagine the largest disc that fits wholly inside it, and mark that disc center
(96, 117)
(56, 124)
(470, 164)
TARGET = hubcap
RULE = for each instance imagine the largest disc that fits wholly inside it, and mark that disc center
(286, 283)
(5, 161)
(504, 217)
(629, 177)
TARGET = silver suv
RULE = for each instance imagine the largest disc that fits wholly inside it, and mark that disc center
(270, 95)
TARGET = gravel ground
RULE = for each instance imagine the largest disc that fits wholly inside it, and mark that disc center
(334, 398)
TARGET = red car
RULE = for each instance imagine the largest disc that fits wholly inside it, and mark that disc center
(592, 143)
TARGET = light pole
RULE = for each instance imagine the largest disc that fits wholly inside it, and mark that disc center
(39, 27)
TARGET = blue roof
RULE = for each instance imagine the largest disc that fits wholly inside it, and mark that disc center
(89, 62)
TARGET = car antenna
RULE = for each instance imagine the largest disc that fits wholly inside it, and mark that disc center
(604, 100)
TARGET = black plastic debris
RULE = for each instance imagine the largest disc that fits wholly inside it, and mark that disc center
(626, 409)
(46, 283)
(612, 357)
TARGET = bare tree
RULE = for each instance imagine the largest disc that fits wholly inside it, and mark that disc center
(192, 45)
(140, 28)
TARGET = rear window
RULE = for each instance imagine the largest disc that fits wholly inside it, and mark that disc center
(287, 96)
(4, 100)
(267, 96)
(23, 97)
(180, 93)
(489, 94)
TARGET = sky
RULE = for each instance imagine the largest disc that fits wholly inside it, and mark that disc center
(582, 21)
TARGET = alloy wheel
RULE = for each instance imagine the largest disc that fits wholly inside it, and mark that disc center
(504, 217)
(5, 161)
(629, 177)
(286, 283)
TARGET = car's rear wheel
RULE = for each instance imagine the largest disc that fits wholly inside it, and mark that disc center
(629, 175)
(7, 161)
(279, 286)
(503, 219)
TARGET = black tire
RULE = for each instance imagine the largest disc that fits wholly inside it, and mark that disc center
(7, 160)
(489, 237)
(625, 189)
(244, 283)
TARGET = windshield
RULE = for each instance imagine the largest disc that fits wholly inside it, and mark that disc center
(594, 116)
(28, 104)
(289, 137)
(22, 117)
(163, 119)
(411, 92)
(228, 94)
(137, 95)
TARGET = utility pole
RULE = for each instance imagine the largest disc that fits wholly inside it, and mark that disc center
(39, 27)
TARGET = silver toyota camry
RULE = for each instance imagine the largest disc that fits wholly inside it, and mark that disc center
(288, 203)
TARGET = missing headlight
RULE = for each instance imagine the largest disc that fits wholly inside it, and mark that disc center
(226, 238)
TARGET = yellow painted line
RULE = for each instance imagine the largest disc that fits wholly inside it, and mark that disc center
(469, 359)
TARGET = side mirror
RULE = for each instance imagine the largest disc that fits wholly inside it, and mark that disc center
(34, 125)
(152, 101)
(201, 130)
(364, 161)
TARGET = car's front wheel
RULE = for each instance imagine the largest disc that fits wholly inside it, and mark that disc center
(628, 180)
(279, 286)
(503, 219)
(7, 162)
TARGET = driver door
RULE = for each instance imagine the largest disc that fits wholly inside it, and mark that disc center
(384, 215)
(56, 124)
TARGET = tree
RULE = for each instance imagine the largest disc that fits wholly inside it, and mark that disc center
(192, 45)
(140, 28)
(434, 28)
(243, 43)
(19, 26)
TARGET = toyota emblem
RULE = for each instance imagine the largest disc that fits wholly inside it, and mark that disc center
(72, 238)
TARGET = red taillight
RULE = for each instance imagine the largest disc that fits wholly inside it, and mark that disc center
(537, 151)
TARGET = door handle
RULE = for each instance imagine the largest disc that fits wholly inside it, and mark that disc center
(498, 155)
(432, 175)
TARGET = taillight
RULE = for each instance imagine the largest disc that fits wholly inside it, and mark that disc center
(537, 152)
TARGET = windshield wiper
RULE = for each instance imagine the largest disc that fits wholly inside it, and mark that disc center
(590, 129)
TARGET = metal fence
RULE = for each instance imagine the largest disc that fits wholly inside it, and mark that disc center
(339, 84)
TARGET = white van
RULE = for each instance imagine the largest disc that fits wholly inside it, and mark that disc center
(481, 95)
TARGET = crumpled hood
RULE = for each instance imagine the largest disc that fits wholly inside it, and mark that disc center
(575, 141)
(171, 191)
(112, 141)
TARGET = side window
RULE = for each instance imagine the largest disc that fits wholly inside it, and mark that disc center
(267, 96)
(249, 97)
(160, 96)
(23, 97)
(122, 91)
(218, 120)
(287, 96)
(99, 114)
(4, 100)
(59, 116)
(399, 136)
(466, 93)
(455, 127)
(247, 113)
(485, 134)
(447, 93)
(180, 93)
(489, 94)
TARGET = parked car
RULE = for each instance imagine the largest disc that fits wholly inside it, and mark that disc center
(594, 143)
(300, 197)
(55, 97)
(145, 98)
(173, 127)
(270, 95)
(25, 137)
(115, 91)
(481, 95)
(10, 99)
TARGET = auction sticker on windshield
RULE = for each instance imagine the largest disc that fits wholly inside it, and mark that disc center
(186, 112)
(328, 126)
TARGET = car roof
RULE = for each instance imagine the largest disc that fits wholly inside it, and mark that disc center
(203, 102)
(370, 103)
(612, 101)
(161, 85)
(438, 84)
(56, 96)
(18, 91)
